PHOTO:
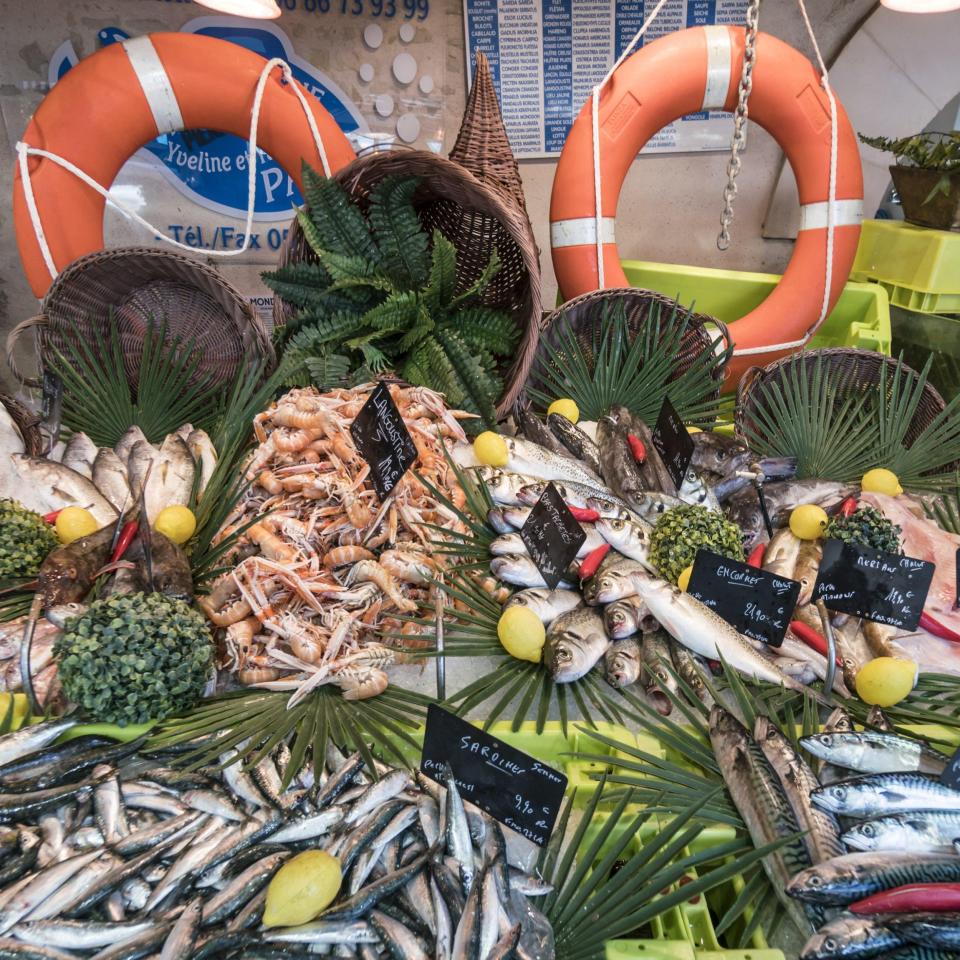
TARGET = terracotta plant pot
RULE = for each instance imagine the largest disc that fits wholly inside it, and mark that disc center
(913, 184)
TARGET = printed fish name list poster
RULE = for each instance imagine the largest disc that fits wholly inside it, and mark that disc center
(547, 55)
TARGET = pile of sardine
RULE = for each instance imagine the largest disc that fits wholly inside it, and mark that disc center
(612, 470)
(876, 793)
(108, 853)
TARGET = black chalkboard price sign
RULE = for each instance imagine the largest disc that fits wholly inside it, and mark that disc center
(885, 587)
(381, 436)
(673, 442)
(756, 602)
(552, 536)
(519, 791)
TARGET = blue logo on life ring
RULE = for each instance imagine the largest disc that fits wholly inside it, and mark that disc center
(202, 164)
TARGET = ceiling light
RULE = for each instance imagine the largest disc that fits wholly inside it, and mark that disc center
(255, 9)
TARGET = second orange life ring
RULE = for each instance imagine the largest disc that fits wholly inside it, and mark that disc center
(120, 98)
(686, 72)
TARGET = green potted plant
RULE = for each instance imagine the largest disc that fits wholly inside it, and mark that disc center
(926, 176)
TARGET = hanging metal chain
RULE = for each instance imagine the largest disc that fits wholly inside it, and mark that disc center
(739, 122)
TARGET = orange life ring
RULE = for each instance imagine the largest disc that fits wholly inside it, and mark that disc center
(686, 72)
(120, 98)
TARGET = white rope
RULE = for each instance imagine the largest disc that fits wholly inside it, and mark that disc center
(595, 116)
(831, 207)
(24, 151)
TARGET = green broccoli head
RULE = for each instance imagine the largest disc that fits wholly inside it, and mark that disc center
(135, 657)
(681, 531)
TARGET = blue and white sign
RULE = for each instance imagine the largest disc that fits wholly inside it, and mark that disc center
(209, 167)
(546, 56)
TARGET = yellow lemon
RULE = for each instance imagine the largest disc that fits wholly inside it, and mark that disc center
(694, 430)
(808, 521)
(302, 889)
(522, 633)
(177, 523)
(886, 680)
(566, 408)
(879, 480)
(683, 581)
(74, 523)
(491, 449)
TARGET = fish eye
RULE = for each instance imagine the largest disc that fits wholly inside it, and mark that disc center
(868, 829)
(839, 792)
(721, 454)
(563, 655)
(824, 739)
(815, 881)
(830, 944)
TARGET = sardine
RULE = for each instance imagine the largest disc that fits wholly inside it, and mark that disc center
(546, 604)
(536, 461)
(878, 794)
(575, 441)
(62, 487)
(854, 876)
(850, 937)
(575, 643)
(655, 653)
(622, 662)
(868, 751)
(632, 539)
(204, 457)
(521, 571)
(80, 454)
(924, 831)
(77, 934)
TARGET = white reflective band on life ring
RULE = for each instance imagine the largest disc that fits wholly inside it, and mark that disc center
(573, 233)
(719, 59)
(846, 213)
(155, 83)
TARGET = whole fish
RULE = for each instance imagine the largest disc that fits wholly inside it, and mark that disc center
(512, 542)
(68, 573)
(925, 831)
(650, 504)
(76, 934)
(130, 438)
(718, 453)
(806, 568)
(62, 487)
(868, 751)
(532, 460)
(496, 518)
(612, 581)
(618, 467)
(694, 490)
(504, 486)
(515, 517)
(938, 930)
(575, 441)
(757, 796)
(653, 471)
(626, 617)
(854, 876)
(521, 571)
(29, 739)
(692, 670)
(573, 494)
(822, 836)
(632, 539)
(535, 430)
(878, 794)
(657, 664)
(780, 557)
(849, 937)
(546, 604)
(698, 628)
(170, 481)
(110, 478)
(204, 457)
(622, 662)
(80, 454)
(169, 566)
(575, 643)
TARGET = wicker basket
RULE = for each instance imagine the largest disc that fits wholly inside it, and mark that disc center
(28, 423)
(859, 371)
(582, 314)
(138, 286)
(475, 219)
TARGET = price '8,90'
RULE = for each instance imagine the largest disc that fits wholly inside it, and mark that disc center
(357, 8)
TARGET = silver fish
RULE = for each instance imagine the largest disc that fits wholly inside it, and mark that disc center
(62, 487)
(937, 931)
(572, 493)
(655, 653)
(622, 662)
(694, 490)
(925, 831)
(521, 571)
(868, 751)
(110, 478)
(692, 670)
(632, 539)
(511, 543)
(516, 517)
(204, 456)
(324, 931)
(545, 603)
(575, 643)
(77, 934)
(503, 485)
(780, 557)
(496, 518)
(180, 939)
(882, 793)
(612, 581)
(29, 739)
(849, 937)
(79, 454)
(536, 461)
(131, 437)
(626, 617)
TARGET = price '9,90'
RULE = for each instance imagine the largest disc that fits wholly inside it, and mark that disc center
(388, 9)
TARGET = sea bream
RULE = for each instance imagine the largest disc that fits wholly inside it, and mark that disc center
(622, 662)
(204, 456)
(626, 617)
(110, 478)
(546, 604)
(59, 487)
(631, 538)
(79, 454)
(575, 642)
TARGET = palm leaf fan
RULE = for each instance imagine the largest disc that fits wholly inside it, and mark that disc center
(611, 365)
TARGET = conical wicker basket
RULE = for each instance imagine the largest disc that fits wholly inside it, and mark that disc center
(857, 372)
(28, 423)
(583, 314)
(138, 286)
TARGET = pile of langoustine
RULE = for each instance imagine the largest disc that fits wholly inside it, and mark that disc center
(324, 568)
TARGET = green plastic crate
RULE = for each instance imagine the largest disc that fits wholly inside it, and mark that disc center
(922, 335)
(861, 317)
(918, 267)
(671, 950)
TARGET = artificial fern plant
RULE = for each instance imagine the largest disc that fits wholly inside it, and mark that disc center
(385, 294)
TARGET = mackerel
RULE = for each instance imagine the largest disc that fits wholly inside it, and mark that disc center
(924, 831)
(849, 937)
(869, 751)
(883, 793)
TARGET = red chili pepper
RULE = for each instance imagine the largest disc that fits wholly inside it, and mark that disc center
(127, 534)
(811, 638)
(589, 564)
(637, 447)
(52, 517)
(584, 515)
(714, 665)
(848, 507)
(938, 629)
(912, 898)
(756, 555)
